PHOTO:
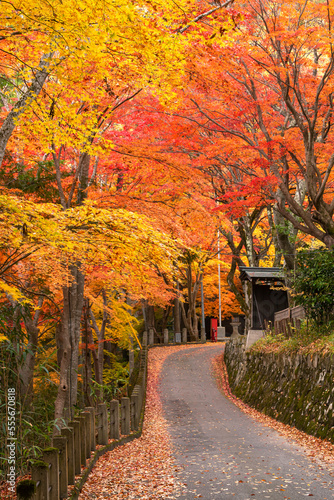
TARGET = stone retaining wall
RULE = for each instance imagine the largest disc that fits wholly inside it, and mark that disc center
(296, 389)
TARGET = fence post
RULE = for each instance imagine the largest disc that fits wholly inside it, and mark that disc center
(40, 474)
(25, 489)
(102, 424)
(125, 416)
(51, 457)
(68, 432)
(134, 400)
(82, 433)
(87, 416)
(141, 389)
(145, 339)
(151, 336)
(60, 442)
(143, 355)
(77, 449)
(114, 419)
(82, 421)
(165, 332)
(91, 409)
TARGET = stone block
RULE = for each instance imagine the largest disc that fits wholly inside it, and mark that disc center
(177, 338)
(221, 333)
(253, 336)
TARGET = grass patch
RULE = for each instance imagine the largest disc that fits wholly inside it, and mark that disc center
(310, 339)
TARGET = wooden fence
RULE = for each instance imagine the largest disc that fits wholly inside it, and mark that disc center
(288, 320)
(60, 464)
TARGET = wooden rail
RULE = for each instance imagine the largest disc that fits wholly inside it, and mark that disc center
(288, 320)
(60, 464)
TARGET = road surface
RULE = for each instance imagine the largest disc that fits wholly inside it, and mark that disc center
(224, 453)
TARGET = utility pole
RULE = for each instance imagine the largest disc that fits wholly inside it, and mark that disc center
(219, 285)
(221, 329)
(203, 334)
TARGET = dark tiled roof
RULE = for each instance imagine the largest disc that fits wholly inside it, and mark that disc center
(266, 273)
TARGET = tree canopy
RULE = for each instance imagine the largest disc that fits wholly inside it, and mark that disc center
(133, 136)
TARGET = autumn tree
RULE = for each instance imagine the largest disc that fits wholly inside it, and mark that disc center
(69, 72)
(256, 117)
(271, 106)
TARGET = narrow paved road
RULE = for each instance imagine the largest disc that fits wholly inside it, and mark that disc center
(223, 452)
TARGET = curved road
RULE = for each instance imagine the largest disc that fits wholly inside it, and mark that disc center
(223, 453)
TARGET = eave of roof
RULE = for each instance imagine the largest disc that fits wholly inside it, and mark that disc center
(265, 273)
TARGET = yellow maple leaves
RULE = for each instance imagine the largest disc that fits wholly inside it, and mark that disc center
(117, 240)
(95, 56)
(94, 53)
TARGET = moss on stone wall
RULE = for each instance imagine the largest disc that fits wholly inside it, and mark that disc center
(294, 388)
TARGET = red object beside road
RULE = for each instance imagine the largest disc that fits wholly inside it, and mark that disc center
(214, 335)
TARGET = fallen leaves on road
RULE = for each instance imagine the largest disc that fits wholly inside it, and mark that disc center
(315, 448)
(145, 468)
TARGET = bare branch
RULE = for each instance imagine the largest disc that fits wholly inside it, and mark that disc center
(205, 14)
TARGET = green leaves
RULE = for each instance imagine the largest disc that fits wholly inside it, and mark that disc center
(314, 283)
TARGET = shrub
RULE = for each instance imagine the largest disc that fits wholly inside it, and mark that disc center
(314, 284)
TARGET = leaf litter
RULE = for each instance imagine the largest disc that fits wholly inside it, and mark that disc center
(316, 448)
(144, 468)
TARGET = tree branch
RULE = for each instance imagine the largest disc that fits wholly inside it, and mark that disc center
(205, 14)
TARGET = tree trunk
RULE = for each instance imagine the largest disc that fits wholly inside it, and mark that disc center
(63, 396)
(98, 355)
(164, 319)
(30, 95)
(194, 299)
(97, 371)
(26, 371)
(83, 167)
(150, 317)
(230, 280)
(190, 318)
(285, 231)
(248, 236)
(69, 337)
(177, 318)
(75, 295)
(278, 251)
(87, 373)
(329, 241)
(73, 300)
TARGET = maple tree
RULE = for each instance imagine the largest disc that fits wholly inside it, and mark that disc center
(229, 303)
(123, 157)
(76, 56)
(103, 238)
(255, 116)
(270, 111)
(181, 148)
(129, 134)
(67, 72)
